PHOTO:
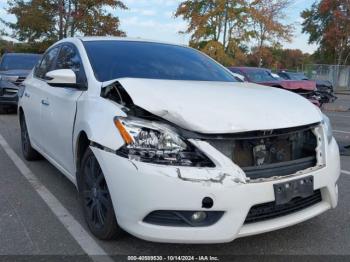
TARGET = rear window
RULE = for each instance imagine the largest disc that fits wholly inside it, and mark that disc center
(17, 62)
(117, 59)
(260, 76)
(297, 76)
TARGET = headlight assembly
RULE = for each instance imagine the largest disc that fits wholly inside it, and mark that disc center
(328, 128)
(154, 142)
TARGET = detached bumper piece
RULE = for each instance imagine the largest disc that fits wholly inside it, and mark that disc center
(271, 210)
(183, 218)
(280, 169)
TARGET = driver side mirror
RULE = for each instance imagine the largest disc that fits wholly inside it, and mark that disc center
(62, 78)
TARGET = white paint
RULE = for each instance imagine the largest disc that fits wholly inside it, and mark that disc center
(208, 107)
(341, 131)
(86, 242)
(221, 107)
(61, 76)
(345, 172)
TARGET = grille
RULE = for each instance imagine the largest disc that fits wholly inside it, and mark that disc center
(10, 92)
(274, 153)
(270, 210)
(168, 218)
(181, 218)
(19, 80)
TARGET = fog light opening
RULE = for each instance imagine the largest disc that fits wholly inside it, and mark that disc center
(198, 217)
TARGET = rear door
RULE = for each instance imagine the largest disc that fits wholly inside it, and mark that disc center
(59, 110)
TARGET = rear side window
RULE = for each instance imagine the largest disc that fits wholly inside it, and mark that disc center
(46, 63)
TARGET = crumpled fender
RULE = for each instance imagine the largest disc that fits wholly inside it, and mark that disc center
(91, 118)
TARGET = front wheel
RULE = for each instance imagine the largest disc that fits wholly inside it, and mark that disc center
(95, 199)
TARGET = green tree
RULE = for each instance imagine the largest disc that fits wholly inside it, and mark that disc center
(50, 20)
(328, 24)
(215, 25)
(228, 25)
(267, 18)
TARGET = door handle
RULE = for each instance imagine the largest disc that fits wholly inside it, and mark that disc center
(26, 94)
(45, 102)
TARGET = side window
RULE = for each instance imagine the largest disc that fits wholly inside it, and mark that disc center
(69, 59)
(46, 63)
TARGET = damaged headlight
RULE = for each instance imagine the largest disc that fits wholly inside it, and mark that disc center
(154, 142)
(328, 128)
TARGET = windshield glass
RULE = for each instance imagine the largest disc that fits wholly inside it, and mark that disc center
(117, 59)
(260, 76)
(16, 62)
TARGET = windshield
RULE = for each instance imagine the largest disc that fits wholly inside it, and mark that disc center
(117, 59)
(16, 62)
(260, 76)
(297, 76)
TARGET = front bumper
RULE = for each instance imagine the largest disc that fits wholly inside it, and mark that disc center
(139, 188)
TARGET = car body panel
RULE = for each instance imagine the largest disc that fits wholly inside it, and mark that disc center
(138, 188)
(197, 106)
(10, 79)
(229, 196)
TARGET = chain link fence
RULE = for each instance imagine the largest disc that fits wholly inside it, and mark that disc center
(338, 75)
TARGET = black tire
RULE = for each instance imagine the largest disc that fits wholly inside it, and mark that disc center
(29, 153)
(95, 199)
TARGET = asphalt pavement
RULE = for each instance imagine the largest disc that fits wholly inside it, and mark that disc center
(40, 213)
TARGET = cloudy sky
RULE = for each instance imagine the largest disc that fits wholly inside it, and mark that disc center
(153, 19)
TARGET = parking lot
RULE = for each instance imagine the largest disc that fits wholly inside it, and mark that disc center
(40, 212)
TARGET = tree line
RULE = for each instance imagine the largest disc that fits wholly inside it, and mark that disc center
(234, 32)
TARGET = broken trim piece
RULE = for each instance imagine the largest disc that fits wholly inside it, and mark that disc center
(104, 148)
(219, 179)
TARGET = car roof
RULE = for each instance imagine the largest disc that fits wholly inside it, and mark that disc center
(130, 39)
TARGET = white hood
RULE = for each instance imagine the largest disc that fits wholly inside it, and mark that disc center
(220, 107)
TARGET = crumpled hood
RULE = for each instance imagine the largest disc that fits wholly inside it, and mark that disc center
(219, 107)
(293, 84)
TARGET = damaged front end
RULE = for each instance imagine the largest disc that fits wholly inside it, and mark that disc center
(149, 139)
(266, 155)
(261, 155)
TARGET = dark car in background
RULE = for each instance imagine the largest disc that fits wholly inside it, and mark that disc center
(14, 68)
(325, 89)
(264, 76)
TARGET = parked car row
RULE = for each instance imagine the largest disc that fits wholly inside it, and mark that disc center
(324, 88)
(318, 92)
(264, 76)
(14, 68)
(165, 143)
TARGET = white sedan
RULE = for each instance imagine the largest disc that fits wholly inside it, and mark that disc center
(164, 143)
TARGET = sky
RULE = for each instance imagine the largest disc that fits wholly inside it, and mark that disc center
(154, 19)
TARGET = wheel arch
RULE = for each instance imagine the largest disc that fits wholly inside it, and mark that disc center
(82, 144)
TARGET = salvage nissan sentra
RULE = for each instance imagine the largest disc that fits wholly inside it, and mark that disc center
(164, 143)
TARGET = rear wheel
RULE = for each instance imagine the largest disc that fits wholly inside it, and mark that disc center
(29, 153)
(95, 199)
